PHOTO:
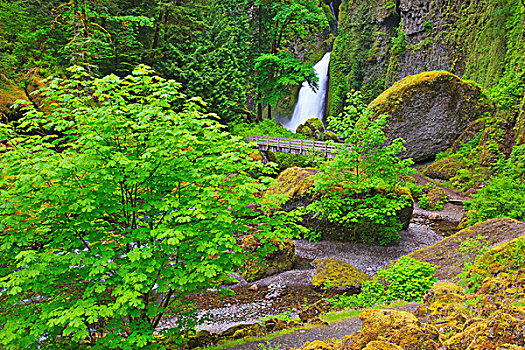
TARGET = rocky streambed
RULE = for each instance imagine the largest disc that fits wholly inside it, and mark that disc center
(292, 290)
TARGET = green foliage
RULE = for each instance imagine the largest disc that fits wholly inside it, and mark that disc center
(415, 190)
(407, 279)
(353, 109)
(504, 195)
(427, 26)
(114, 205)
(285, 316)
(399, 42)
(360, 184)
(277, 72)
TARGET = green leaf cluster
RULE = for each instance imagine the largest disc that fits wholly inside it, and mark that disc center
(504, 195)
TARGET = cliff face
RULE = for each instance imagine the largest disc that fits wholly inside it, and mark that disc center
(381, 42)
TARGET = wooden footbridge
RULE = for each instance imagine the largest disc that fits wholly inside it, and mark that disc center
(294, 146)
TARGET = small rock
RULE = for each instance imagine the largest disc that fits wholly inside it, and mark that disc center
(435, 217)
(254, 288)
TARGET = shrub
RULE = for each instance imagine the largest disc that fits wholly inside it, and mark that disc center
(408, 280)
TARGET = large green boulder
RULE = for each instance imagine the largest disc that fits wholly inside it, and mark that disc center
(312, 128)
(430, 111)
(297, 186)
(332, 272)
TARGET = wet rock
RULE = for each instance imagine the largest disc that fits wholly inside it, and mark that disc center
(430, 111)
(332, 272)
(435, 217)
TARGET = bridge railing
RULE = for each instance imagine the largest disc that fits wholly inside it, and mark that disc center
(287, 145)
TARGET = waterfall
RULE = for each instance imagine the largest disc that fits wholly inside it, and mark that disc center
(311, 103)
(333, 12)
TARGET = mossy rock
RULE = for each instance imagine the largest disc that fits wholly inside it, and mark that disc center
(280, 257)
(465, 220)
(447, 255)
(317, 345)
(434, 199)
(297, 184)
(330, 136)
(332, 272)
(430, 111)
(396, 327)
(381, 345)
(312, 128)
(294, 182)
(503, 258)
(443, 169)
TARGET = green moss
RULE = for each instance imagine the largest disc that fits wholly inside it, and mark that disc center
(446, 254)
(332, 272)
(443, 169)
(279, 256)
(293, 182)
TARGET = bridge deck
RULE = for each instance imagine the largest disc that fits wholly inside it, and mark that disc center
(294, 146)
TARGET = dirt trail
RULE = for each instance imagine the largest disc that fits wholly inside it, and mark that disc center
(453, 210)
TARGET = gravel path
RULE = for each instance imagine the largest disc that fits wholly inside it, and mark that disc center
(336, 330)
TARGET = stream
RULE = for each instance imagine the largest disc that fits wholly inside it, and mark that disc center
(292, 290)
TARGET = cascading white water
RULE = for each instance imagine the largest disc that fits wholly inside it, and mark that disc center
(333, 12)
(310, 103)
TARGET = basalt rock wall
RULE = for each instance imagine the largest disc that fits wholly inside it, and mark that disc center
(381, 42)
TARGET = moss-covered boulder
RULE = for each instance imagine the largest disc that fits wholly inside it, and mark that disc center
(381, 345)
(279, 257)
(330, 136)
(312, 128)
(430, 111)
(503, 258)
(443, 169)
(297, 184)
(332, 272)
(450, 259)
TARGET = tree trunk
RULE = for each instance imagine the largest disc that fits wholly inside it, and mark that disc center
(157, 31)
(270, 112)
(75, 24)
